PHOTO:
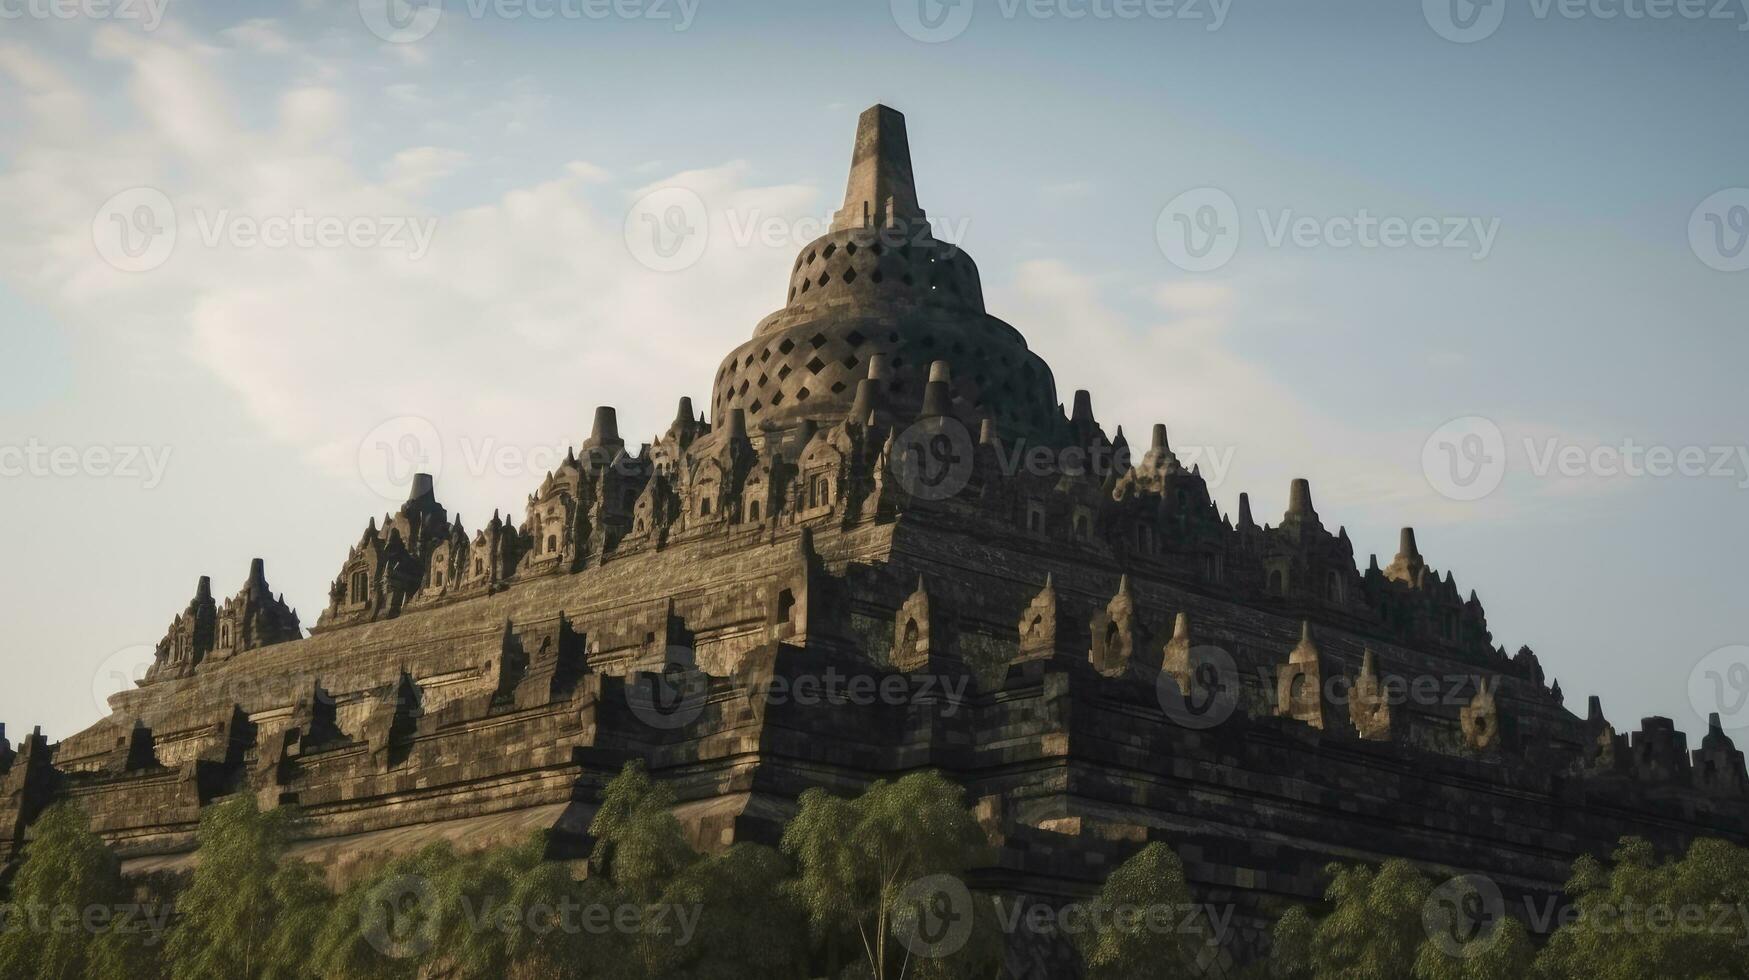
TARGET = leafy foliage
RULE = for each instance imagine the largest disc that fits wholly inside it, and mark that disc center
(72, 916)
(246, 914)
(1125, 945)
(1681, 918)
(855, 857)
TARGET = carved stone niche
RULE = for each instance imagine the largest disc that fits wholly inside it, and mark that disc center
(1480, 719)
(913, 635)
(1299, 686)
(1044, 628)
(1117, 634)
(1369, 705)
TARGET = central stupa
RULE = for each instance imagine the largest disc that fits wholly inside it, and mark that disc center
(871, 305)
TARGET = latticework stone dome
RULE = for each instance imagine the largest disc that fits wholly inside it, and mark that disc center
(879, 283)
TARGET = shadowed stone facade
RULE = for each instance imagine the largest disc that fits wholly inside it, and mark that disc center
(844, 575)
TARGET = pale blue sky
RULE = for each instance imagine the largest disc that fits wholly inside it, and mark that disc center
(1053, 143)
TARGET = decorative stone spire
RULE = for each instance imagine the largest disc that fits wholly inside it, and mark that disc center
(1369, 709)
(1176, 659)
(1480, 719)
(1408, 565)
(1299, 503)
(881, 193)
(604, 433)
(912, 645)
(1040, 628)
(1300, 684)
(938, 394)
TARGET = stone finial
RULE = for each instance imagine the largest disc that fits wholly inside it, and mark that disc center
(1245, 521)
(1718, 764)
(683, 413)
(1039, 630)
(867, 394)
(877, 367)
(987, 434)
(1369, 706)
(1408, 565)
(421, 489)
(912, 644)
(1176, 658)
(881, 192)
(1299, 500)
(1117, 633)
(1480, 719)
(203, 589)
(605, 431)
(1083, 412)
(737, 427)
(1299, 685)
(938, 394)
(1158, 444)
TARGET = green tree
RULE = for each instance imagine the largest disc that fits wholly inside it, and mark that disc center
(1377, 929)
(855, 858)
(1643, 918)
(638, 843)
(729, 917)
(72, 918)
(244, 915)
(1137, 921)
(385, 926)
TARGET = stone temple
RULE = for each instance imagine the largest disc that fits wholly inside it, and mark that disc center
(856, 568)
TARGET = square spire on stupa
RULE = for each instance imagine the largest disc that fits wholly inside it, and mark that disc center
(881, 193)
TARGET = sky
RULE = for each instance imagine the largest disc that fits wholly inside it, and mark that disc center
(1475, 269)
